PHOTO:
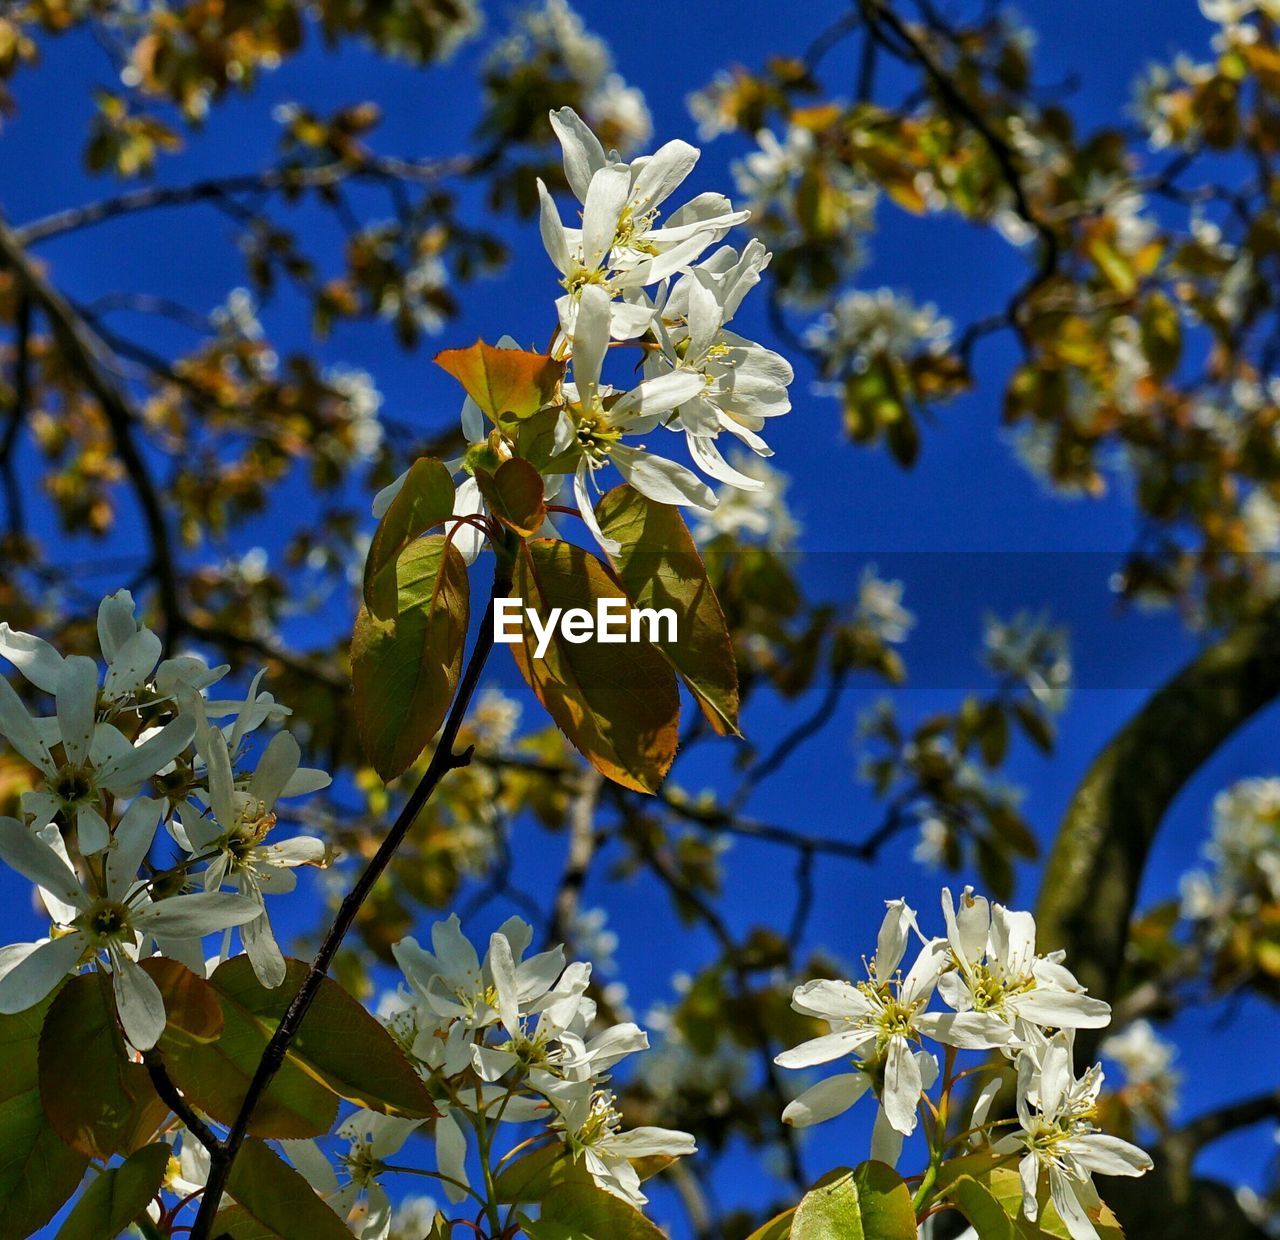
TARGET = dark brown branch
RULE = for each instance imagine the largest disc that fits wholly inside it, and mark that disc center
(221, 190)
(443, 760)
(1245, 1113)
(174, 1100)
(89, 357)
(17, 415)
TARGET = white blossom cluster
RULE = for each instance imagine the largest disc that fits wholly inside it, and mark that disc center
(1244, 853)
(556, 32)
(507, 1039)
(122, 753)
(862, 326)
(999, 995)
(634, 279)
(1033, 653)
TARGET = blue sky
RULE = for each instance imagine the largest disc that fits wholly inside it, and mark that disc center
(968, 530)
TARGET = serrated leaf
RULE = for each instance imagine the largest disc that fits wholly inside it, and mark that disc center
(617, 703)
(405, 670)
(339, 1043)
(279, 1199)
(118, 1196)
(869, 1203)
(503, 380)
(38, 1170)
(97, 1099)
(659, 566)
(423, 502)
(215, 1075)
(515, 496)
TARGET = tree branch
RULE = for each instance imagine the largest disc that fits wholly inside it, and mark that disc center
(87, 355)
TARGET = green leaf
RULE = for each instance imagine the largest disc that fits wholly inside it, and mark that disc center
(339, 1043)
(118, 1196)
(586, 1212)
(215, 1075)
(659, 566)
(992, 1202)
(515, 496)
(532, 1176)
(424, 501)
(279, 1199)
(503, 380)
(405, 670)
(96, 1098)
(869, 1203)
(616, 702)
(38, 1170)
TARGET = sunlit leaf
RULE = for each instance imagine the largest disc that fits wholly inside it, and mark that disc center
(869, 1203)
(405, 670)
(659, 566)
(616, 702)
(424, 500)
(503, 380)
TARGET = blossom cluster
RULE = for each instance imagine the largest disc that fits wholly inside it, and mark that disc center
(999, 995)
(632, 278)
(124, 752)
(510, 1038)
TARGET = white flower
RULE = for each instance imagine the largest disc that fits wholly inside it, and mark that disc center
(1147, 1060)
(880, 607)
(600, 429)
(863, 326)
(96, 757)
(743, 383)
(373, 1139)
(592, 1130)
(881, 1021)
(233, 836)
(113, 922)
(1057, 1136)
(998, 972)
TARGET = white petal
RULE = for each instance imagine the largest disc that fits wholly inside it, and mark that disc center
(707, 457)
(382, 500)
(1109, 1155)
(263, 951)
(31, 980)
(138, 1001)
(21, 731)
(649, 1142)
(116, 623)
(38, 661)
(970, 1031)
(1061, 1009)
(1069, 1208)
(606, 198)
(275, 768)
(304, 781)
(132, 663)
(24, 851)
(553, 236)
(611, 546)
(824, 1049)
(830, 1000)
(583, 154)
(826, 1099)
(77, 694)
(902, 1086)
(192, 916)
(451, 1157)
(891, 942)
(661, 480)
(658, 395)
(662, 172)
(126, 773)
(590, 338)
(886, 1141)
(92, 832)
